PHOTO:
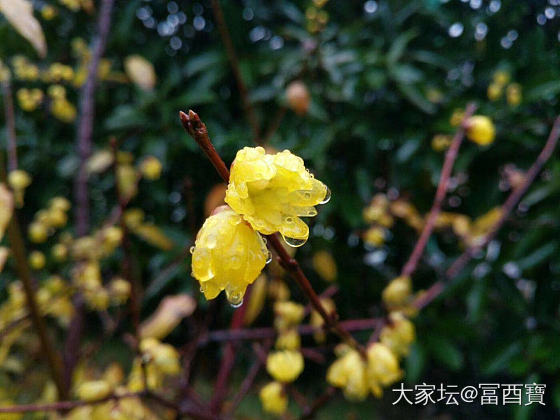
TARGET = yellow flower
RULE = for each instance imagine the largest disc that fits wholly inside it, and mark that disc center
(288, 339)
(513, 94)
(382, 368)
(37, 260)
(273, 398)
(228, 254)
(272, 191)
(398, 292)
(288, 314)
(37, 232)
(501, 77)
(441, 142)
(494, 91)
(94, 390)
(398, 335)
(151, 168)
(374, 236)
(349, 373)
(325, 265)
(480, 129)
(284, 365)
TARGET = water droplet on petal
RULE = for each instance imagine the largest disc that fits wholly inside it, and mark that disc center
(293, 242)
(327, 197)
(268, 257)
(235, 299)
(191, 249)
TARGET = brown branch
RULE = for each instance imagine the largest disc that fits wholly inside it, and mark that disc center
(81, 195)
(87, 114)
(450, 157)
(19, 254)
(263, 333)
(275, 124)
(10, 126)
(459, 264)
(310, 411)
(234, 62)
(198, 131)
(126, 246)
(254, 370)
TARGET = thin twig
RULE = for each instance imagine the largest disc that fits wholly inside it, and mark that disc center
(234, 62)
(459, 264)
(310, 411)
(87, 114)
(270, 332)
(198, 131)
(19, 254)
(81, 195)
(450, 157)
(10, 126)
(275, 124)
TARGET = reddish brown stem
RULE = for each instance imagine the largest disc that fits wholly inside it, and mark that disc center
(198, 131)
(459, 264)
(10, 126)
(450, 157)
(269, 332)
(318, 403)
(234, 62)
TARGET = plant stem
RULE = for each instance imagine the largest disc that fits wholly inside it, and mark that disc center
(10, 126)
(450, 157)
(459, 264)
(86, 117)
(198, 131)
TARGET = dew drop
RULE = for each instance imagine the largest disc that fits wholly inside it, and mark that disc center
(289, 220)
(191, 249)
(235, 299)
(268, 257)
(293, 242)
(327, 197)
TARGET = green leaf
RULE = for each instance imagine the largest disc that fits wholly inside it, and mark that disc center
(398, 46)
(446, 352)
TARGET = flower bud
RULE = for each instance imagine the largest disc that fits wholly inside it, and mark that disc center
(480, 129)
(397, 292)
(228, 255)
(273, 398)
(37, 260)
(298, 97)
(150, 168)
(284, 365)
(94, 390)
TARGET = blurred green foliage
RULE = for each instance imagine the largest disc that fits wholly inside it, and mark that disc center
(382, 85)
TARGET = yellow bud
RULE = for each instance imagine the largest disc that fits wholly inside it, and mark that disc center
(398, 335)
(374, 236)
(97, 298)
(501, 77)
(127, 180)
(397, 292)
(114, 374)
(57, 218)
(288, 314)
(19, 180)
(272, 192)
(133, 218)
(480, 129)
(318, 321)
(298, 97)
(59, 252)
(228, 255)
(456, 117)
(441, 142)
(349, 373)
(277, 290)
(151, 168)
(494, 91)
(284, 365)
(48, 12)
(60, 203)
(288, 340)
(382, 367)
(325, 265)
(119, 290)
(94, 390)
(273, 398)
(37, 232)
(513, 94)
